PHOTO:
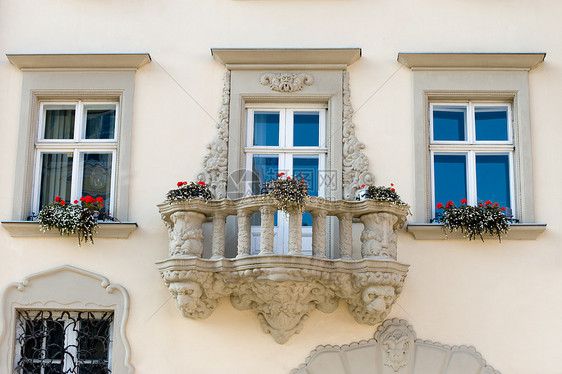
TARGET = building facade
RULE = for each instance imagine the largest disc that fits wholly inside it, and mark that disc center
(437, 100)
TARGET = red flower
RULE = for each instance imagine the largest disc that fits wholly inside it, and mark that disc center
(393, 189)
(102, 205)
(496, 204)
(184, 182)
(463, 201)
(99, 199)
(62, 202)
(89, 199)
(201, 183)
(362, 186)
(57, 199)
(392, 184)
(75, 201)
(82, 198)
(480, 205)
(503, 209)
(303, 181)
(278, 175)
(180, 183)
(449, 204)
(439, 206)
(288, 177)
(487, 202)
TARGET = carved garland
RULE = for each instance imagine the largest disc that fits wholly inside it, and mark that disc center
(215, 163)
(355, 164)
(286, 82)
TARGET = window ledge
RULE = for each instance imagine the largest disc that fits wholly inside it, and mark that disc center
(121, 230)
(434, 231)
(79, 61)
(526, 61)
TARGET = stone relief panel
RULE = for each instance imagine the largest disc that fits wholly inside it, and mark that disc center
(355, 164)
(394, 349)
(215, 162)
(286, 82)
(283, 290)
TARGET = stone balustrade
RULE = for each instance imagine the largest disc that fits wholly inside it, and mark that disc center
(284, 289)
(378, 239)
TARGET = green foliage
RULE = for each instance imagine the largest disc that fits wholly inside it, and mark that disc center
(289, 193)
(382, 193)
(475, 221)
(186, 191)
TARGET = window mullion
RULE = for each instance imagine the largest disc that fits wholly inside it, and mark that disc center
(471, 178)
(75, 187)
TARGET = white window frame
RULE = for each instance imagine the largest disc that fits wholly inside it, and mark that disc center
(285, 152)
(70, 339)
(78, 146)
(470, 147)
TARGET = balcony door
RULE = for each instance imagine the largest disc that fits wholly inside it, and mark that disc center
(290, 140)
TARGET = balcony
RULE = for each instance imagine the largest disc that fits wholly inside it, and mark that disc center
(284, 289)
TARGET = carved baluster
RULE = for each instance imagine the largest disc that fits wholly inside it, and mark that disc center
(346, 237)
(319, 233)
(219, 224)
(244, 235)
(295, 232)
(186, 234)
(267, 226)
(378, 238)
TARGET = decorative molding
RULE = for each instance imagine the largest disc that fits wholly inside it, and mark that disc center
(283, 290)
(286, 82)
(119, 230)
(505, 61)
(215, 162)
(394, 349)
(435, 231)
(355, 164)
(65, 288)
(30, 62)
(233, 57)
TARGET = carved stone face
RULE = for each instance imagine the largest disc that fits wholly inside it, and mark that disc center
(396, 346)
(378, 298)
(187, 295)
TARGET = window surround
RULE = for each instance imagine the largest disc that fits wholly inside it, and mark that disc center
(87, 77)
(65, 288)
(472, 77)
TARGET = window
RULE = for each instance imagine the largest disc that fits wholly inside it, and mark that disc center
(291, 140)
(471, 120)
(75, 130)
(64, 320)
(50, 342)
(471, 147)
(76, 151)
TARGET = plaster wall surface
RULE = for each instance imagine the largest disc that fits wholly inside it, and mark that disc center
(502, 298)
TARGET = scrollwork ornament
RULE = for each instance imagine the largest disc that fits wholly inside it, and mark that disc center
(286, 82)
(215, 162)
(355, 164)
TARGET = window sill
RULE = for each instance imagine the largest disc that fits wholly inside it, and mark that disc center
(120, 230)
(434, 231)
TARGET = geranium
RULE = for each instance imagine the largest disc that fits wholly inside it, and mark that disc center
(289, 193)
(386, 194)
(80, 219)
(474, 221)
(187, 191)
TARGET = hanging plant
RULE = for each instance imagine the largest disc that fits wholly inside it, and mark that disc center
(289, 193)
(381, 193)
(80, 218)
(187, 191)
(474, 221)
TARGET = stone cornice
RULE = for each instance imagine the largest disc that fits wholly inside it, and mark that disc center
(421, 60)
(30, 62)
(233, 57)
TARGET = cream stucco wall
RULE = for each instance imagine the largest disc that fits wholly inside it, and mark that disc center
(505, 299)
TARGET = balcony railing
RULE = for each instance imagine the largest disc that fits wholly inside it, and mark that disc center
(283, 289)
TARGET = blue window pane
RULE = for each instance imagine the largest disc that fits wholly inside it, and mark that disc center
(492, 179)
(491, 123)
(306, 129)
(306, 167)
(449, 123)
(450, 178)
(265, 168)
(266, 128)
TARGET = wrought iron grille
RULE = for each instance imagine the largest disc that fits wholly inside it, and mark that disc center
(63, 342)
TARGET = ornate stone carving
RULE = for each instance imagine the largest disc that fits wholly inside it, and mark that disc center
(355, 164)
(392, 351)
(379, 235)
(283, 290)
(215, 162)
(186, 235)
(286, 82)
